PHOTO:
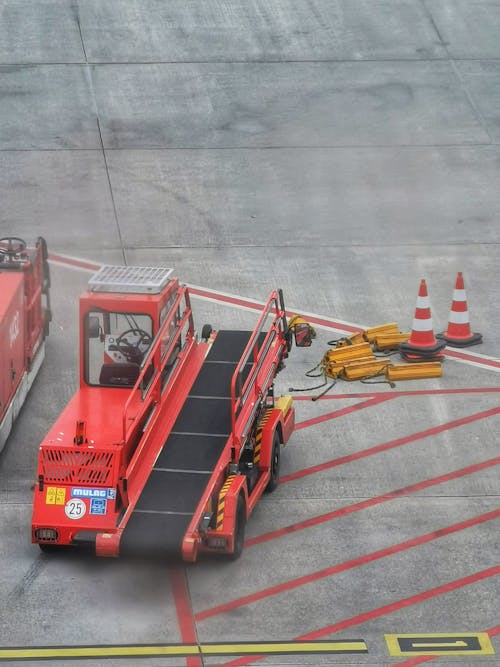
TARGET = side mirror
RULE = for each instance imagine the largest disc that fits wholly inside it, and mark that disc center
(303, 335)
(94, 328)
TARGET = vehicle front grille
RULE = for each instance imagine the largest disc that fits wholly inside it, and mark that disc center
(67, 466)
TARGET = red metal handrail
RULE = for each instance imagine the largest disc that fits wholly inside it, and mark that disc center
(187, 316)
(240, 394)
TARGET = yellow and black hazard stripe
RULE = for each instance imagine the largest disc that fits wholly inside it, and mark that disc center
(221, 503)
(258, 436)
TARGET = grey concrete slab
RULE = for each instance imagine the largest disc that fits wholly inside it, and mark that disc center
(61, 195)
(482, 82)
(468, 28)
(45, 31)
(348, 594)
(343, 540)
(139, 30)
(307, 198)
(96, 590)
(275, 104)
(47, 107)
(363, 285)
(57, 574)
(400, 466)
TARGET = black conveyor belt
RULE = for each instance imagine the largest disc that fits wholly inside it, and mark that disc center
(188, 457)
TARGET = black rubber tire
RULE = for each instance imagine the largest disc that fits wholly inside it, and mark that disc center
(206, 331)
(45, 253)
(239, 529)
(275, 464)
(50, 548)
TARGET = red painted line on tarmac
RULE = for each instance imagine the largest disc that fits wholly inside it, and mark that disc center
(412, 662)
(382, 611)
(209, 294)
(371, 502)
(380, 398)
(226, 298)
(455, 354)
(408, 392)
(331, 324)
(401, 604)
(74, 262)
(347, 565)
(388, 445)
(184, 613)
(313, 319)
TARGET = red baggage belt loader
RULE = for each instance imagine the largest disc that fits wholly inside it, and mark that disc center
(24, 321)
(170, 441)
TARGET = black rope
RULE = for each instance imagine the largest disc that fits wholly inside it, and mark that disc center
(319, 386)
(315, 398)
(343, 339)
(367, 381)
(387, 353)
(310, 373)
(307, 388)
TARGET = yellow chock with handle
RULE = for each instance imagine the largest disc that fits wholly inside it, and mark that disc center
(371, 333)
(353, 339)
(357, 370)
(349, 353)
(334, 360)
(417, 371)
(389, 341)
(332, 370)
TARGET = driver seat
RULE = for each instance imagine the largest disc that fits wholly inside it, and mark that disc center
(119, 375)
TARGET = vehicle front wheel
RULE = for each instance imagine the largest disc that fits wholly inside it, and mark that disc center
(275, 464)
(48, 548)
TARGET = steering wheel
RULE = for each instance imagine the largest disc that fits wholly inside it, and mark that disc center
(11, 246)
(133, 350)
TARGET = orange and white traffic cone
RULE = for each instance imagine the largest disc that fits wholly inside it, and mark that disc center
(422, 345)
(458, 333)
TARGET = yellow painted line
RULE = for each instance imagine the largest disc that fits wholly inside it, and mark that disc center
(270, 648)
(440, 643)
(55, 653)
(180, 650)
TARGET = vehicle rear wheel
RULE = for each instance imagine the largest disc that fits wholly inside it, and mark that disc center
(275, 464)
(50, 548)
(239, 529)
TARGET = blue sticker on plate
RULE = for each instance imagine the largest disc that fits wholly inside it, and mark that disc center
(97, 506)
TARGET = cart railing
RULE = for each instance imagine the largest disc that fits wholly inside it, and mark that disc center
(263, 353)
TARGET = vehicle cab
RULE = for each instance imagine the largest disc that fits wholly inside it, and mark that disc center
(136, 337)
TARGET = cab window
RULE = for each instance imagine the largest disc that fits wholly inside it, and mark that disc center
(116, 344)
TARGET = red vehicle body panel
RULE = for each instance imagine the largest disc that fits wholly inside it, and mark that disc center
(24, 319)
(12, 336)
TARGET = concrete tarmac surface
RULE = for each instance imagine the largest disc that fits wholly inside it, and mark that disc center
(341, 150)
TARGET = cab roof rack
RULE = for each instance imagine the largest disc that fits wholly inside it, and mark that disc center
(130, 279)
